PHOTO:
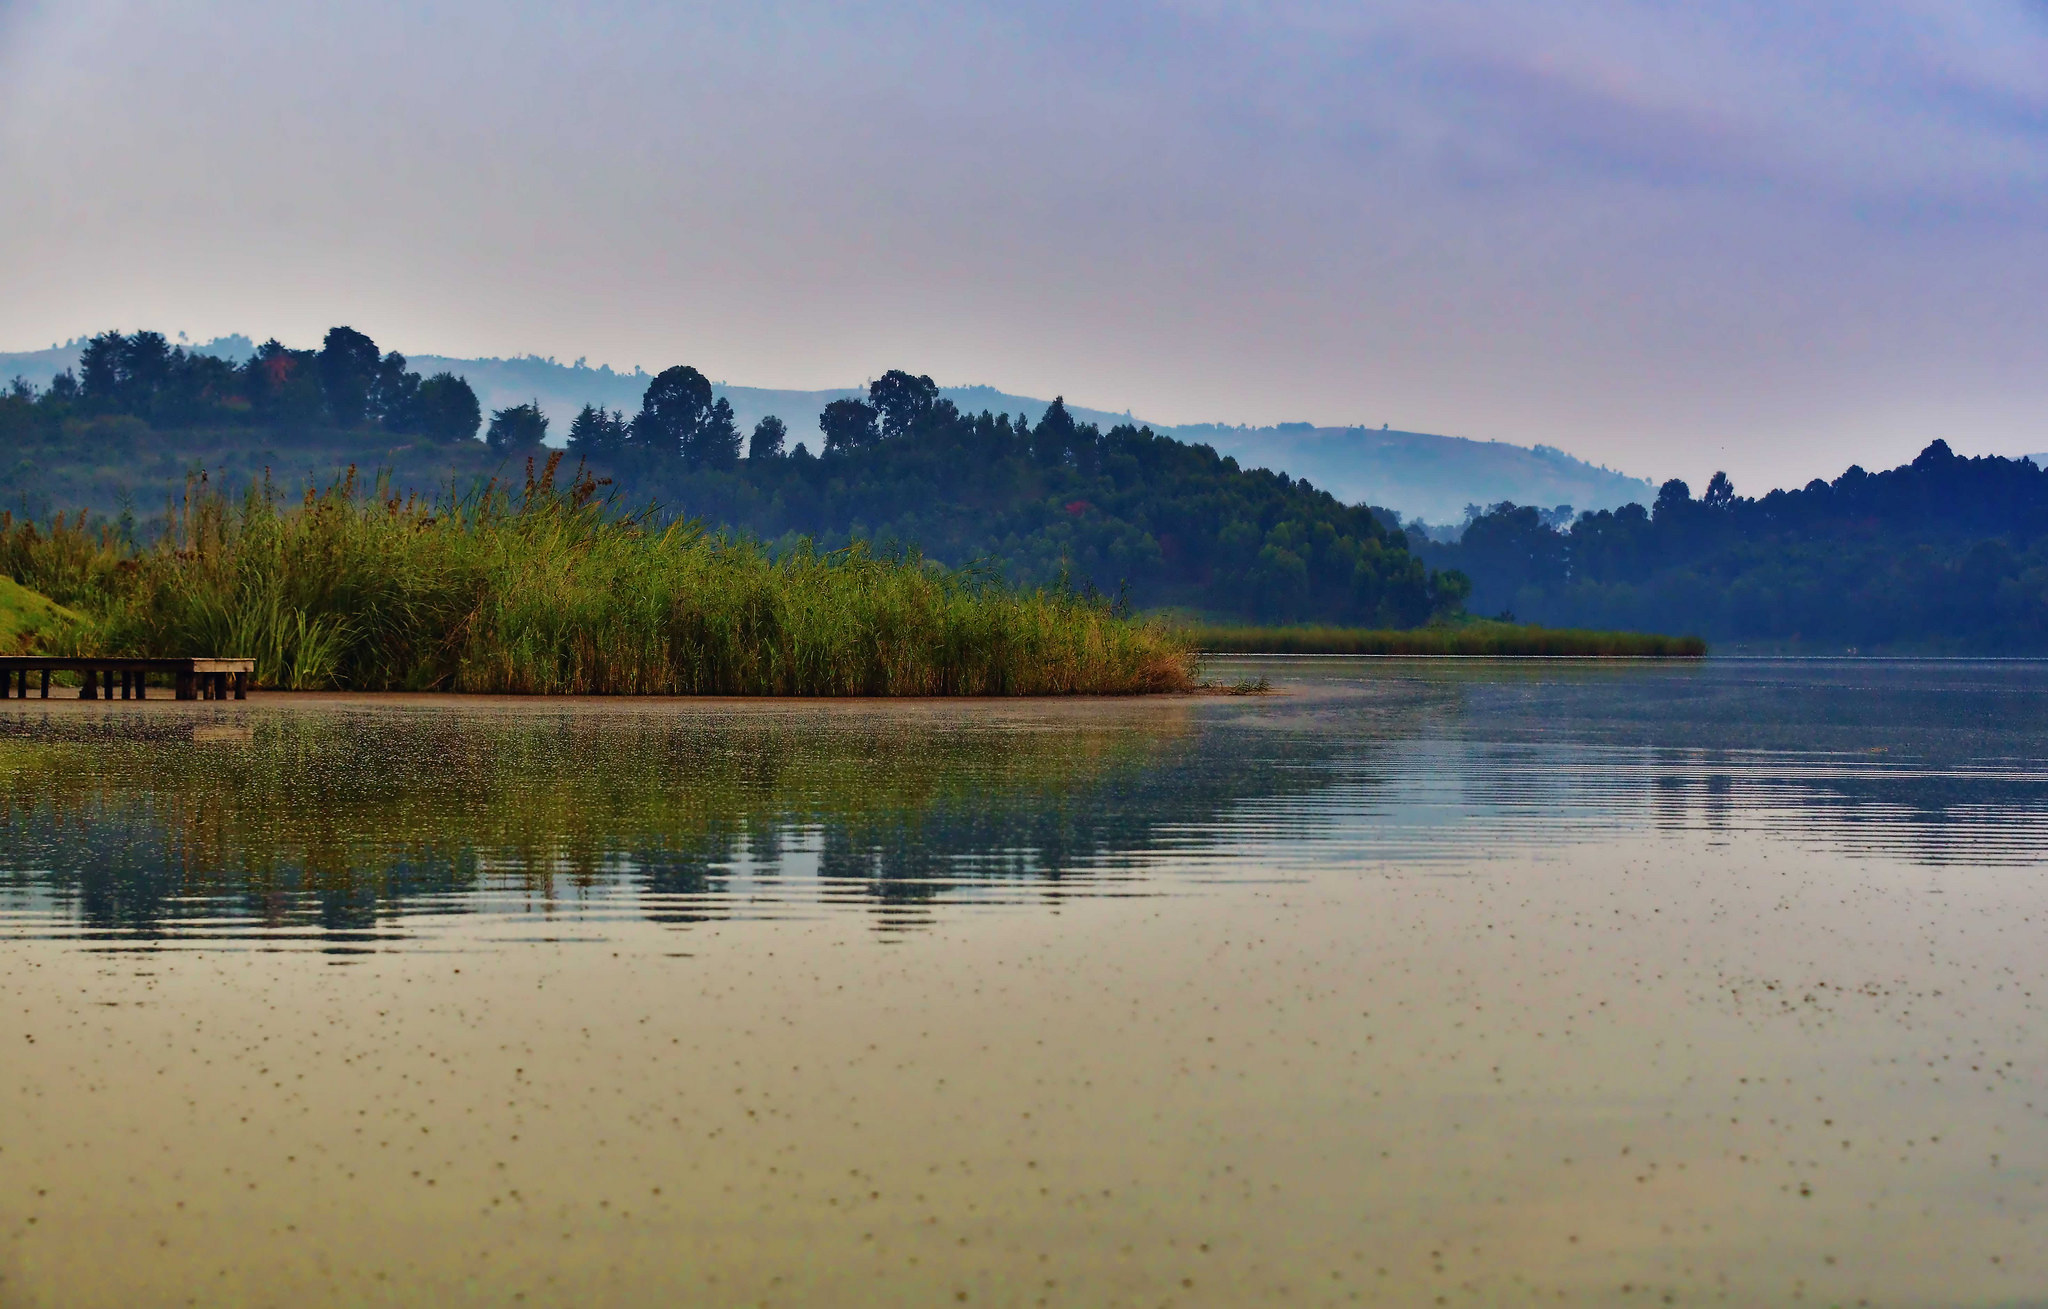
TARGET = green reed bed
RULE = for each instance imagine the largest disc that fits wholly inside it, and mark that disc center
(552, 591)
(1475, 638)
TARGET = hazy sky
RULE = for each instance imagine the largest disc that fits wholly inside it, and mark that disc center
(1772, 237)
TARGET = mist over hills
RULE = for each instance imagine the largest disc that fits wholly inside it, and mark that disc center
(1424, 475)
(1420, 474)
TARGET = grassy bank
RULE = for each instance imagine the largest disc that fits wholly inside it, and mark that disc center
(29, 621)
(1475, 638)
(549, 591)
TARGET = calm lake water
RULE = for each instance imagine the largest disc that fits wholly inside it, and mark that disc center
(1463, 983)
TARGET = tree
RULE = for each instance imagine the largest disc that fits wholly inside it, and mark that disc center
(101, 368)
(768, 438)
(1054, 435)
(1720, 492)
(1672, 498)
(149, 365)
(395, 396)
(349, 365)
(716, 442)
(448, 408)
(673, 411)
(282, 386)
(520, 427)
(848, 425)
(597, 434)
(901, 400)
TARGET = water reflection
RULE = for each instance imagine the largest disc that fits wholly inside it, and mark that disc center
(348, 827)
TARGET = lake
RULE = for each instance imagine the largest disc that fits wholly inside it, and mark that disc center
(1459, 982)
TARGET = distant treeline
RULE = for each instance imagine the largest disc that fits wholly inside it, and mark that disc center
(1944, 553)
(1125, 511)
(346, 383)
(1053, 503)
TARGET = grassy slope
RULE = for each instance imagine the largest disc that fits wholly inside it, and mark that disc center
(1475, 638)
(27, 617)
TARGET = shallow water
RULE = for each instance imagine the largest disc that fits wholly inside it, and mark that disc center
(1477, 981)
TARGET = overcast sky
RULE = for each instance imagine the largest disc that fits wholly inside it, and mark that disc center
(1771, 237)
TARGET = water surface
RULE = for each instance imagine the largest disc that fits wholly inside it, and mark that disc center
(1484, 981)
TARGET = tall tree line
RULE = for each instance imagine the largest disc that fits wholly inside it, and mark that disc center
(1943, 553)
(1048, 502)
(346, 384)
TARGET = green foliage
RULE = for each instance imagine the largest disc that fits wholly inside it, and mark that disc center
(849, 425)
(1473, 638)
(448, 409)
(679, 421)
(1056, 504)
(348, 364)
(345, 385)
(769, 436)
(1944, 553)
(549, 591)
(31, 622)
(521, 428)
(597, 434)
(1125, 512)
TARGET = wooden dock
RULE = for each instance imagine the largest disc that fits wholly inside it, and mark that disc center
(194, 679)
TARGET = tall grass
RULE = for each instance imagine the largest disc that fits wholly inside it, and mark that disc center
(1476, 638)
(548, 590)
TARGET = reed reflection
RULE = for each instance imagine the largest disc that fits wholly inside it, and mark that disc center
(348, 828)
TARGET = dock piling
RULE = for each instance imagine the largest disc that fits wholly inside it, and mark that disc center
(193, 679)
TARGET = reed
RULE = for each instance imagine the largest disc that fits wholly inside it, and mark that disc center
(1498, 640)
(549, 590)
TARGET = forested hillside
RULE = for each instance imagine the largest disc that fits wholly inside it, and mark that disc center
(1419, 473)
(1046, 502)
(1942, 554)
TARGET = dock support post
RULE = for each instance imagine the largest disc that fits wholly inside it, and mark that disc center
(46, 683)
(141, 685)
(89, 686)
(186, 691)
(241, 686)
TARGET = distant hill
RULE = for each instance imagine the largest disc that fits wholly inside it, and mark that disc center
(1945, 555)
(1418, 474)
(1421, 475)
(562, 389)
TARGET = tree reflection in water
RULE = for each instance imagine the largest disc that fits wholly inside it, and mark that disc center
(345, 826)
